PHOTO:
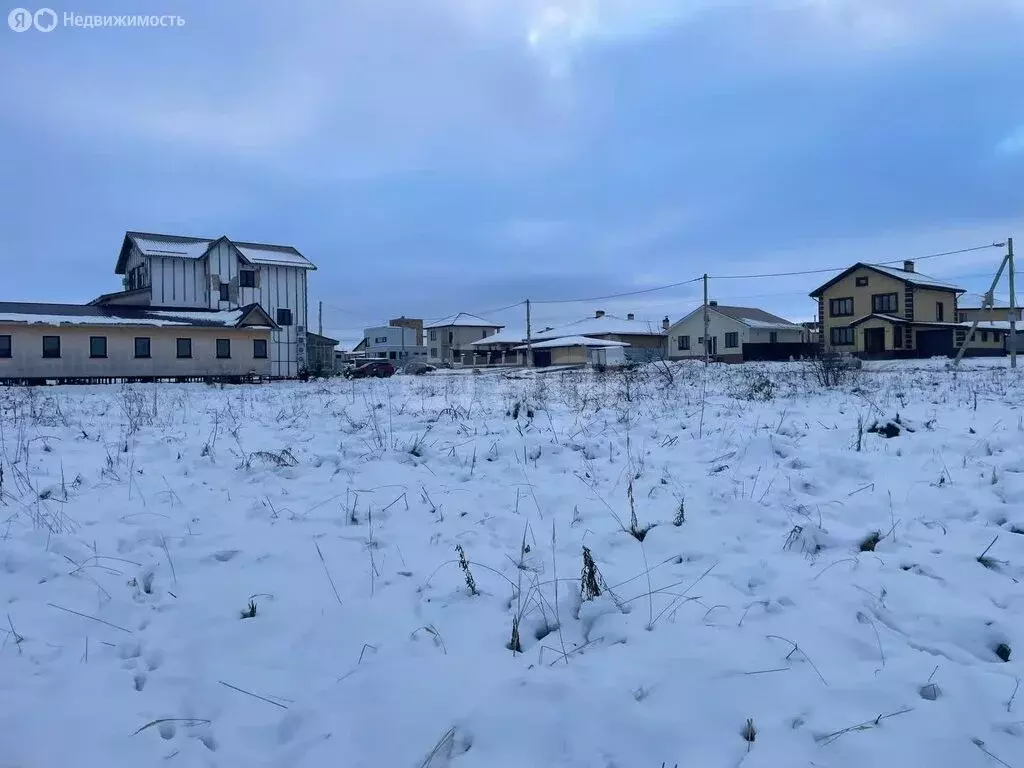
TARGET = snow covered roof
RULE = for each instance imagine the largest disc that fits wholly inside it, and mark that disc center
(755, 318)
(251, 316)
(465, 320)
(575, 341)
(606, 325)
(185, 247)
(912, 277)
(506, 336)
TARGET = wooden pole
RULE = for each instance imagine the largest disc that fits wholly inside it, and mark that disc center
(529, 338)
(986, 304)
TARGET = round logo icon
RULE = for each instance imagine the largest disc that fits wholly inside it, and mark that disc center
(45, 19)
(20, 20)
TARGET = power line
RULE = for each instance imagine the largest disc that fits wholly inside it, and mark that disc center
(840, 269)
(619, 295)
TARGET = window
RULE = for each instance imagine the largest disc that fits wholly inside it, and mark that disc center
(683, 342)
(380, 339)
(433, 335)
(984, 335)
(97, 346)
(862, 281)
(51, 346)
(247, 278)
(391, 355)
(962, 317)
(700, 339)
(433, 350)
(897, 337)
(223, 348)
(451, 336)
(225, 294)
(142, 346)
(284, 316)
(885, 302)
(840, 307)
(732, 340)
(137, 278)
(940, 311)
(259, 349)
(841, 337)
(5, 346)
(773, 337)
(483, 334)
(184, 348)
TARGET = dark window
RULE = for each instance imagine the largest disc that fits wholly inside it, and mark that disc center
(885, 302)
(259, 349)
(184, 348)
(97, 346)
(684, 342)
(433, 350)
(773, 337)
(284, 316)
(897, 337)
(841, 336)
(940, 311)
(247, 278)
(51, 346)
(225, 293)
(862, 281)
(984, 335)
(962, 317)
(142, 346)
(451, 336)
(732, 340)
(840, 307)
(5, 346)
(433, 335)
(223, 348)
(391, 355)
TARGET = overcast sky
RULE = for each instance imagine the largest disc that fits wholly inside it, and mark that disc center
(435, 156)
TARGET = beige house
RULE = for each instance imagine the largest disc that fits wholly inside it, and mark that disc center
(88, 343)
(735, 334)
(576, 350)
(450, 340)
(644, 340)
(877, 311)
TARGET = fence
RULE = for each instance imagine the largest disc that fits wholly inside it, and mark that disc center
(780, 351)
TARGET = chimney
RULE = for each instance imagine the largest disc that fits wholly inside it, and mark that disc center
(908, 266)
(665, 323)
(630, 316)
(712, 303)
(599, 313)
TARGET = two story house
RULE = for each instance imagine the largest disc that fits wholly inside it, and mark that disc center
(173, 271)
(876, 311)
(450, 340)
(392, 342)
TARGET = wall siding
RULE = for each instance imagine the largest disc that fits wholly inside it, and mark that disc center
(175, 282)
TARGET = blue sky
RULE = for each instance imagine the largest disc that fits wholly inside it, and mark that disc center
(460, 155)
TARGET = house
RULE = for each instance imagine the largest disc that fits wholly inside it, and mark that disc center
(878, 311)
(408, 322)
(220, 274)
(735, 334)
(450, 338)
(320, 353)
(499, 348)
(79, 343)
(645, 340)
(576, 350)
(393, 343)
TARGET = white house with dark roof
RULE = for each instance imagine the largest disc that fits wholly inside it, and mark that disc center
(182, 272)
(735, 334)
(450, 339)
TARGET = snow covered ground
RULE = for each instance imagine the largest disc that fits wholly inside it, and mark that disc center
(270, 575)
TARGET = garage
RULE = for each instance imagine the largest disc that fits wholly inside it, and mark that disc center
(937, 343)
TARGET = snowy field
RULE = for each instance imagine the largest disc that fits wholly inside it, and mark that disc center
(665, 567)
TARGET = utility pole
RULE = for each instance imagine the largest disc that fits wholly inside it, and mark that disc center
(320, 319)
(707, 319)
(987, 304)
(529, 338)
(1013, 305)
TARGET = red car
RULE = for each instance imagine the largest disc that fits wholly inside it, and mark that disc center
(379, 368)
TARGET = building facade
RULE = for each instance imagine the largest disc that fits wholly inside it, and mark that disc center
(450, 340)
(220, 274)
(735, 334)
(392, 342)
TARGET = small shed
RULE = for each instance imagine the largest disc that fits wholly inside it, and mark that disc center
(576, 350)
(320, 353)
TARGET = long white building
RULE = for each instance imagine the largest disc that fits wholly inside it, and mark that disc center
(178, 272)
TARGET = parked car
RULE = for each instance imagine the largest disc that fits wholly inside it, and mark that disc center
(417, 368)
(378, 368)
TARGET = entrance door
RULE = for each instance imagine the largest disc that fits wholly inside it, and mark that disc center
(712, 345)
(874, 340)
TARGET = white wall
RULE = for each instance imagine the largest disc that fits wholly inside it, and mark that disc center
(176, 282)
(392, 337)
(693, 326)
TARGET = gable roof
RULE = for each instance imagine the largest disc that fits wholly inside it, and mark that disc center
(606, 325)
(186, 247)
(325, 341)
(249, 316)
(506, 336)
(913, 278)
(755, 318)
(464, 320)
